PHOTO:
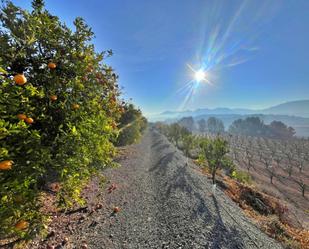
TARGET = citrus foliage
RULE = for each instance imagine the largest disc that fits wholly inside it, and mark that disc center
(131, 125)
(58, 109)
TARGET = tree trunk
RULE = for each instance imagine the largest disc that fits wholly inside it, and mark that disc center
(213, 177)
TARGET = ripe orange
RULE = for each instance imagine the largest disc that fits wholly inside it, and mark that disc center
(116, 209)
(6, 165)
(21, 225)
(53, 97)
(21, 116)
(75, 106)
(29, 120)
(52, 65)
(20, 79)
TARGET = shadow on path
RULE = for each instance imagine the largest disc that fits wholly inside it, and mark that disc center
(179, 183)
(223, 236)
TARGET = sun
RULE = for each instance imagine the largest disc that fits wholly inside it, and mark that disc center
(200, 75)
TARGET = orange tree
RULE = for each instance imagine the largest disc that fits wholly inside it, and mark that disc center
(59, 104)
(131, 125)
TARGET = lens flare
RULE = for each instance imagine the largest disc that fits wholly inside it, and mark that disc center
(200, 75)
(190, 89)
(227, 38)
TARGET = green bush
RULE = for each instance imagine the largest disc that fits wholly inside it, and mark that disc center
(215, 153)
(241, 176)
(71, 103)
(131, 126)
(129, 135)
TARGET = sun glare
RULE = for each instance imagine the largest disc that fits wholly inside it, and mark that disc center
(200, 75)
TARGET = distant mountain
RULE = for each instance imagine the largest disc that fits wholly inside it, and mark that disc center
(207, 111)
(298, 108)
(294, 113)
(295, 108)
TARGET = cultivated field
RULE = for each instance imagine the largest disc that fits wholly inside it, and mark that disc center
(279, 168)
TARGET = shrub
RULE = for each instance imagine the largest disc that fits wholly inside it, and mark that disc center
(215, 151)
(188, 144)
(241, 176)
(57, 126)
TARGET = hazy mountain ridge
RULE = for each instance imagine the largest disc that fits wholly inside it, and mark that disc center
(295, 108)
(298, 108)
(295, 114)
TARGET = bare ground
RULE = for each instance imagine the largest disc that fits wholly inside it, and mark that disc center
(163, 203)
(286, 190)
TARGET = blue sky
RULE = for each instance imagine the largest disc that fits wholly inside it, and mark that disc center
(255, 53)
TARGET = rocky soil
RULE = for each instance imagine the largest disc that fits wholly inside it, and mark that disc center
(155, 200)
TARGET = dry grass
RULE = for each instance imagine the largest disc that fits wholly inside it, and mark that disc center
(265, 211)
(272, 218)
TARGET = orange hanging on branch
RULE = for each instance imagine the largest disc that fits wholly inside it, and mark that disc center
(20, 79)
(21, 116)
(21, 225)
(6, 165)
(52, 65)
(75, 106)
(53, 97)
(29, 120)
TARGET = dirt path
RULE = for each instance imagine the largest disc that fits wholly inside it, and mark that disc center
(166, 204)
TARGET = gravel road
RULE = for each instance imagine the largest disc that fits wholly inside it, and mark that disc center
(167, 204)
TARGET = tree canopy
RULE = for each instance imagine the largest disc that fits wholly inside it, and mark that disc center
(254, 126)
(59, 111)
(214, 125)
(187, 122)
